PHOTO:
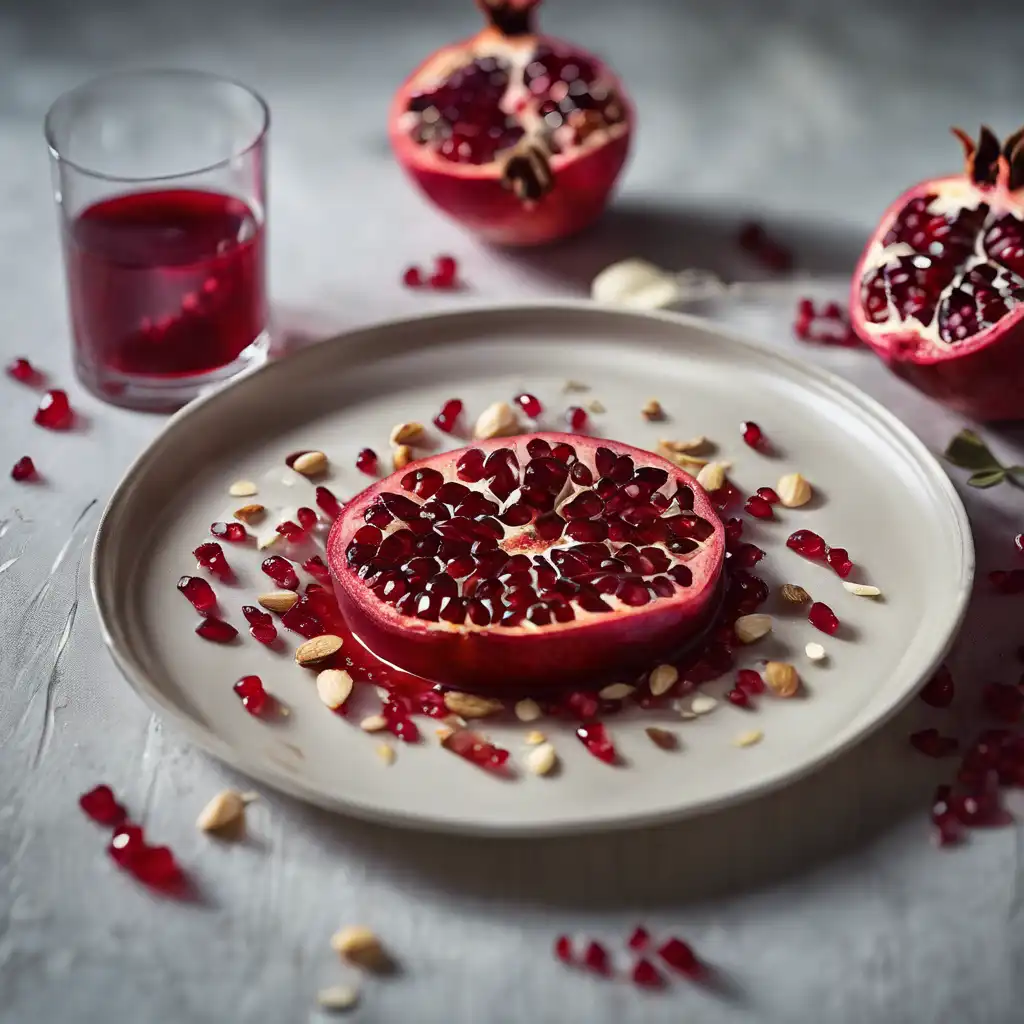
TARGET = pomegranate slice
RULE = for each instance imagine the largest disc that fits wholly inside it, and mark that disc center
(517, 135)
(939, 290)
(495, 567)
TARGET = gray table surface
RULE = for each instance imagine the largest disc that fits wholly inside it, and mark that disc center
(823, 903)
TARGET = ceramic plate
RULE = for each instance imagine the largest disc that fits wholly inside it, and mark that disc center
(879, 493)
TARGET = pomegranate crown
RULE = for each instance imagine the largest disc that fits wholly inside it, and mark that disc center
(510, 17)
(988, 163)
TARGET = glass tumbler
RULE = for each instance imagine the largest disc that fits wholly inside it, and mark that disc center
(160, 184)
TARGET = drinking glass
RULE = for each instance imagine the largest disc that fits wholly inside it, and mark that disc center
(160, 183)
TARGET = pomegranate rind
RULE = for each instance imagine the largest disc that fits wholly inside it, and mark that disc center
(583, 652)
(978, 376)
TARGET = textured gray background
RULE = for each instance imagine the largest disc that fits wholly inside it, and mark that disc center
(824, 903)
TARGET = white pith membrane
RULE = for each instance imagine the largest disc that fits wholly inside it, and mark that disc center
(505, 64)
(979, 240)
(525, 540)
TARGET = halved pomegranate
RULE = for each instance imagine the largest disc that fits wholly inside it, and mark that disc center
(518, 136)
(528, 563)
(939, 290)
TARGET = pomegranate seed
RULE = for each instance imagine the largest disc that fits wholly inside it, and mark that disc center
(446, 267)
(1004, 701)
(646, 975)
(233, 532)
(1019, 542)
(210, 556)
(822, 617)
(450, 412)
(101, 805)
(317, 568)
(752, 434)
(594, 737)
(746, 556)
(769, 495)
(739, 698)
(806, 543)
(199, 592)
(576, 417)
(412, 278)
(281, 571)
(217, 630)
(23, 469)
(54, 411)
(759, 507)
(948, 831)
(530, 405)
(640, 939)
(680, 957)
(251, 693)
(327, 502)
(563, 949)
(929, 742)
(261, 625)
(939, 690)
(307, 518)
(474, 748)
(291, 531)
(839, 559)
(126, 844)
(749, 681)
(22, 370)
(1007, 581)
(596, 958)
(155, 866)
(366, 461)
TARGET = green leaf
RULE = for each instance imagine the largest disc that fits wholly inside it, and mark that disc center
(968, 451)
(987, 478)
(1015, 475)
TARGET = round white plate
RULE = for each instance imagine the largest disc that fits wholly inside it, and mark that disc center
(879, 493)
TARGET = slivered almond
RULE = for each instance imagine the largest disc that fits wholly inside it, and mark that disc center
(373, 723)
(333, 687)
(224, 813)
(527, 710)
(793, 490)
(702, 704)
(310, 463)
(752, 627)
(278, 600)
(662, 679)
(408, 433)
(861, 589)
(794, 594)
(596, 406)
(662, 738)
(250, 513)
(534, 737)
(360, 946)
(782, 678)
(712, 476)
(815, 651)
(469, 705)
(402, 456)
(386, 753)
(681, 459)
(318, 650)
(616, 691)
(749, 739)
(652, 411)
(542, 759)
(693, 446)
(336, 998)
(497, 420)
(242, 489)
(575, 385)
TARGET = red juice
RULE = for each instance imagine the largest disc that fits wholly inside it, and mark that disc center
(166, 283)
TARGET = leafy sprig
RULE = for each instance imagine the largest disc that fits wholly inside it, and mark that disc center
(968, 451)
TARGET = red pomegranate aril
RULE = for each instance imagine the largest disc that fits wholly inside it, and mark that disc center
(646, 975)
(576, 418)
(291, 531)
(307, 518)
(210, 556)
(680, 957)
(216, 630)
(822, 617)
(640, 939)
(412, 277)
(839, 560)
(450, 412)
(126, 844)
(101, 805)
(530, 404)
(366, 461)
(1004, 701)
(596, 959)
(301, 619)
(595, 738)
(746, 556)
(1007, 581)
(932, 744)
(749, 681)
(233, 532)
(759, 507)
(23, 371)
(24, 469)
(752, 434)
(808, 544)
(769, 495)
(198, 592)
(738, 697)
(948, 830)
(317, 568)
(475, 749)
(327, 502)
(156, 867)
(54, 411)
(939, 690)
(281, 571)
(470, 466)
(563, 949)
(446, 266)
(252, 695)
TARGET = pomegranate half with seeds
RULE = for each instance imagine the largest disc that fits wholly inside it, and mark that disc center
(939, 290)
(519, 136)
(522, 564)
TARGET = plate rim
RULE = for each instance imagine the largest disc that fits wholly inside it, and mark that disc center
(280, 780)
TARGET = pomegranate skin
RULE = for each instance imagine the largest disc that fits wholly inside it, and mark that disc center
(582, 653)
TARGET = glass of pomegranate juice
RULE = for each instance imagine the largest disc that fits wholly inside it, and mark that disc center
(160, 184)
